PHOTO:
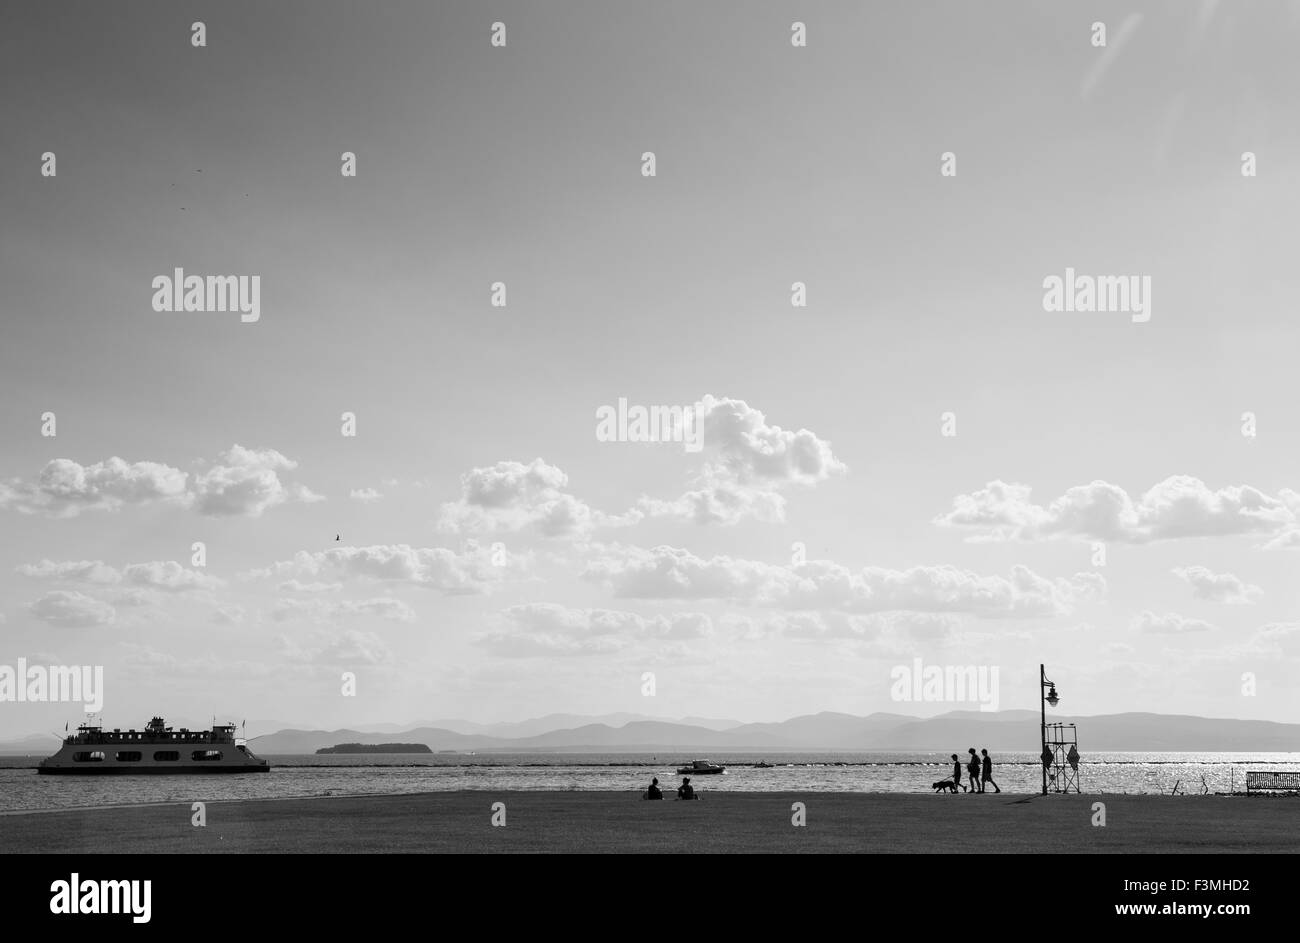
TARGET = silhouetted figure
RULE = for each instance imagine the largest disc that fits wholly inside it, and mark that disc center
(686, 790)
(654, 792)
(973, 771)
(987, 776)
(338, 537)
(956, 770)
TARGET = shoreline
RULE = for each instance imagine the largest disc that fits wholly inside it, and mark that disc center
(602, 792)
(609, 822)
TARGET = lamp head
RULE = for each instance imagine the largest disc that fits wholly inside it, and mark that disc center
(1052, 697)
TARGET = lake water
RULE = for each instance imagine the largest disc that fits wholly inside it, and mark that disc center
(21, 789)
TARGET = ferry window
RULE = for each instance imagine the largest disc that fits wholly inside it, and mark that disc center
(163, 756)
(201, 756)
(128, 756)
(88, 757)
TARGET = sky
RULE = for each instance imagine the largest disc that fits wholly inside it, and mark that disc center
(495, 558)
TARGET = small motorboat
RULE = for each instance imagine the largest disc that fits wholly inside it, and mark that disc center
(701, 768)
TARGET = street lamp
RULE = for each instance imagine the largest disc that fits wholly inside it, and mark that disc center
(1044, 699)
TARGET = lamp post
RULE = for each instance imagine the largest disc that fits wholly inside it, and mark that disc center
(1043, 700)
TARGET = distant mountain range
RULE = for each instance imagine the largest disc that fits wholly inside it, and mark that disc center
(1003, 732)
(541, 725)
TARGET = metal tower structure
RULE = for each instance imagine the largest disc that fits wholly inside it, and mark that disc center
(1061, 758)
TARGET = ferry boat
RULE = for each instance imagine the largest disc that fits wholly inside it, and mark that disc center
(156, 749)
(702, 768)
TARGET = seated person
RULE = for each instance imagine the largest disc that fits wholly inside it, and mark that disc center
(686, 790)
(654, 792)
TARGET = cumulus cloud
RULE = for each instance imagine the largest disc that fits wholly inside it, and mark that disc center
(1217, 587)
(298, 586)
(1179, 506)
(72, 571)
(1169, 623)
(135, 598)
(511, 496)
(549, 629)
(1278, 638)
(469, 571)
(671, 573)
(247, 482)
(1287, 540)
(170, 576)
(71, 609)
(749, 462)
(718, 501)
(65, 488)
(329, 610)
(364, 495)
(242, 482)
(167, 575)
(752, 451)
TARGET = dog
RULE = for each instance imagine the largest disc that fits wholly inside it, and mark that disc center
(946, 785)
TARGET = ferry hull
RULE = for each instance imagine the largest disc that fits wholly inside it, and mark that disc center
(121, 769)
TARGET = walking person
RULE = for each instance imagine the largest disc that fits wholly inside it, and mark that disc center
(987, 776)
(973, 771)
(956, 771)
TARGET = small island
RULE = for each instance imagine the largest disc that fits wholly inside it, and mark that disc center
(376, 748)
